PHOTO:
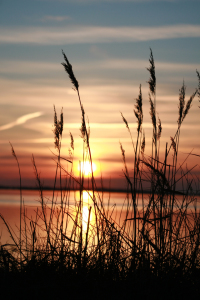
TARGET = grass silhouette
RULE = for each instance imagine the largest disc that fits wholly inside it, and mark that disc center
(155, 247)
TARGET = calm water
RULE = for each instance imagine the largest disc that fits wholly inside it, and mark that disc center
(10, 209)
(10, 206)
(32, 197)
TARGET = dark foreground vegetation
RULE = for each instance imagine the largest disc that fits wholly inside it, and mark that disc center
(154, 251)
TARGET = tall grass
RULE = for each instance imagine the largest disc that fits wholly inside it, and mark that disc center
(160, 240)
(163, 229)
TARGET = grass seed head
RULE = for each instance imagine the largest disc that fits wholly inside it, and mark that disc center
(125, 121)
(124, 158)
(68, 69)
(13, 151)
(198, 90)
(159, 131)
(181, 103)
(173, 143)
(72, 141)
(83, 125)
(58, 128)
(152, 113)
(188, 105)
(152, 79)
(143, 144)
(138, 110)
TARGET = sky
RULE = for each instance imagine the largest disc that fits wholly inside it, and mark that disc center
(108, 44)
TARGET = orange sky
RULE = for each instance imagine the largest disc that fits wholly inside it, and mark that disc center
(107, 43)
(33, 133)
(104, 139)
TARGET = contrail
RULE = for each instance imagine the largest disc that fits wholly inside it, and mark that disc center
(21, 120)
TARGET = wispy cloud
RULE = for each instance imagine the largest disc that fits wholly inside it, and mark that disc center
(117, 125)
(140, 64)
(39, 67)
(21, 120)
(91, 34)
(55, 18)
(28, 67)
(114, 1)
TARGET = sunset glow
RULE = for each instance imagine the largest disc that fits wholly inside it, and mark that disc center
(86, 168)
(100, 149)
(109, 54)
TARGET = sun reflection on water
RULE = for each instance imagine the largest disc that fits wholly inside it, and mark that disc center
(87, 206)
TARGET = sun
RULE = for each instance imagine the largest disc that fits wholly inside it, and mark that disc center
(85, 168)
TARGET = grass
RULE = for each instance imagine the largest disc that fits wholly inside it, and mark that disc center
(154, 249)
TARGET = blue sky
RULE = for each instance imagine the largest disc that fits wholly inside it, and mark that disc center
(107, 42)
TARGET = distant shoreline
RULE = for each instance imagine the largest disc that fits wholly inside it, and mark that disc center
(71, 189)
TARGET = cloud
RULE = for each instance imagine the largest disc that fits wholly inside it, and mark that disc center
(55, 18)
(110, 126)
(28, 67)
(114, 1)
(40, 67)
(92, 34)
(21, 120)
(115, 64)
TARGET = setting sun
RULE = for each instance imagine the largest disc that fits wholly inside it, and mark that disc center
(85, 168)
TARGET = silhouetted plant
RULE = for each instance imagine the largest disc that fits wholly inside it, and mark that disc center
(161, 238)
